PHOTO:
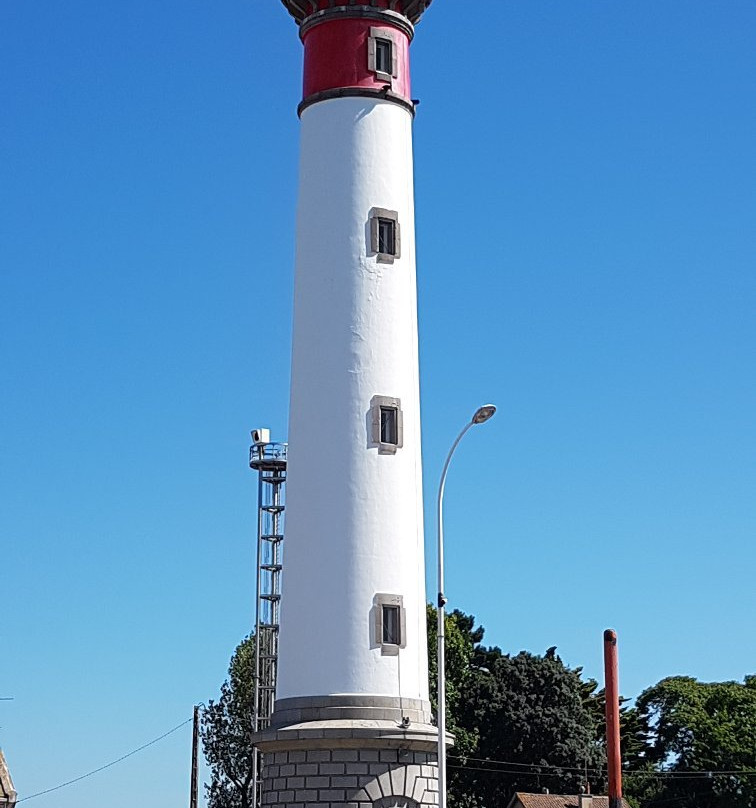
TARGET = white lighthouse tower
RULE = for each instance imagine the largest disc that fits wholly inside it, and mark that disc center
(352, 718)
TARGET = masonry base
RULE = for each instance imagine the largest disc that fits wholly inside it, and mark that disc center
(352, 762)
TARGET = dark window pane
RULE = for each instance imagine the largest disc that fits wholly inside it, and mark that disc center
(391, 625)
(383, 56)
(389, 431)
(387, 236)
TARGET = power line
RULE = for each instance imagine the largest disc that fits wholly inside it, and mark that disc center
(531, 765)
(107, 765)
(556, 771)
(538, 768)
(499, 771)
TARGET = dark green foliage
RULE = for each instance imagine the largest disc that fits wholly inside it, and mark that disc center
(529, 709)
(698, 727)
(226, 729)
(632, 738)
(461, 640)
(524, 709)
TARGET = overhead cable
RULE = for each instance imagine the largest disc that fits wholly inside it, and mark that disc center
(543, 768)
(107, 765)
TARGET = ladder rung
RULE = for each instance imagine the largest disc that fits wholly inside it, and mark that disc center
(272, 508)
(270, 597)
(271, 567)
(272, 536)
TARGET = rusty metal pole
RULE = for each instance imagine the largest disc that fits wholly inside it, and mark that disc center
(195, 773)
(611, 687)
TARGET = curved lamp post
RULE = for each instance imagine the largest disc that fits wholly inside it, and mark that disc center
(481, 415)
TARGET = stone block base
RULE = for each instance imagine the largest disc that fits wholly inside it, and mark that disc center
(349, 752)
(353, 778)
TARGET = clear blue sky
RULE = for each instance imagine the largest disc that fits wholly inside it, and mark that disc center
(586, 199)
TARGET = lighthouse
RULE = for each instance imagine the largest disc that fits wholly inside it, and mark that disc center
(351, 722)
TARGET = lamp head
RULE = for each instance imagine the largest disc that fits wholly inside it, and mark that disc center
(482, 414)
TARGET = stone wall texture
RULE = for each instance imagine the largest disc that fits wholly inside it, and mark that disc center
(351, 778)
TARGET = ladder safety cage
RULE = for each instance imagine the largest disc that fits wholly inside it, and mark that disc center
(269, 460)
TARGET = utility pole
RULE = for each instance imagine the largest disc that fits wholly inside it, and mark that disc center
(195, 749)
(611, 689)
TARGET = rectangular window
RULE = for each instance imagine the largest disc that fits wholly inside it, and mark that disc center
(382, 53)
(384, 56)
(391, 625)
(386, 424)
(389, 426)
(387, 236)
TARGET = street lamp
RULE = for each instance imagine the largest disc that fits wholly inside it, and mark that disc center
(481, 415)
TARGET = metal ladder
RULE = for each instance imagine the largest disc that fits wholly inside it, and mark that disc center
(269, 460)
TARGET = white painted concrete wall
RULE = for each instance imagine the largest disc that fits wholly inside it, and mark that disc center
(354, 523)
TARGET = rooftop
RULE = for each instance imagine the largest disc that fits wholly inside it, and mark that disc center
(557, 801)
(7, 792)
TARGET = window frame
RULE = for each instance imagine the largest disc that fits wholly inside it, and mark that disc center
(391, 624)
(384, 47)
(386, 35)
(386, 236)
(378, 215)
(389, 424)
(377, 405)
(382, 601)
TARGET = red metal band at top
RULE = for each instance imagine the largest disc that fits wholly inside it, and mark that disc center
(339, 54)
(412, 9)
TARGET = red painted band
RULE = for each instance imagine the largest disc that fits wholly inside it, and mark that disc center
(322, 5)
(337, 56)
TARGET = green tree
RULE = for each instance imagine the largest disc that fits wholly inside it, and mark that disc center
(525, 710)
(695, 727)
(226, 729)
(530, 710)
(461, 639)
(639, 780)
